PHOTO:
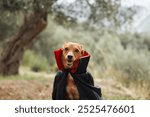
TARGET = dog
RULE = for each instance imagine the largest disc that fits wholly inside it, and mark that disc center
(71, 52)
(73, 81)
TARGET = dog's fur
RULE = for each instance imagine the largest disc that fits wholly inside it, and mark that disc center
(71, 53)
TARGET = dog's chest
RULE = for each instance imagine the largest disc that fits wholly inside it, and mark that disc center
(71, 88)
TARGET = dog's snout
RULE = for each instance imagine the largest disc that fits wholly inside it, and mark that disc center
(69, 57)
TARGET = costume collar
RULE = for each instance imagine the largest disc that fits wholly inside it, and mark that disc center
(78, 67)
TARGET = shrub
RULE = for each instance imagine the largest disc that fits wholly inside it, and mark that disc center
(35, 62)
(128, 65)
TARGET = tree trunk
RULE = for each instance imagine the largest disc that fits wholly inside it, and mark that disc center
(13, 52)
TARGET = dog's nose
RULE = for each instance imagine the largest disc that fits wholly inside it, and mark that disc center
(69, 57)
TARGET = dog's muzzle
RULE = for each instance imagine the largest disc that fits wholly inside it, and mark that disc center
(69, 60)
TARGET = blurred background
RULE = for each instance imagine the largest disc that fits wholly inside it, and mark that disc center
(115, 32)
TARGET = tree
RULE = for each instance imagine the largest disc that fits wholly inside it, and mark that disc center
(97, 13)
(32, 26)
(35, 14)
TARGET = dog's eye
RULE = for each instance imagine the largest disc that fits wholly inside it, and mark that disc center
(76, 50)
(66, 49)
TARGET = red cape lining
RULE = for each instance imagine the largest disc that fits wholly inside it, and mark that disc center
(58, 54)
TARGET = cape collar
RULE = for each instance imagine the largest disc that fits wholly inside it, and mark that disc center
(79, 66)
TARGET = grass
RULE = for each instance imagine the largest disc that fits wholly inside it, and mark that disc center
(138, 85)
(25, 77)
(119, 97)
(18, 77)
(25, 73)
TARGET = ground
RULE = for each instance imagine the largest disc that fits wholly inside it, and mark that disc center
(30, 85)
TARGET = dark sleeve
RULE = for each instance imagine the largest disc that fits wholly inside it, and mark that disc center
(56, 80)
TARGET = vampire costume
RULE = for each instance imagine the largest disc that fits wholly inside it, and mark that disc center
(83, 79)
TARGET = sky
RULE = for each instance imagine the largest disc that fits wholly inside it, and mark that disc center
(144, 3)
(141, 22)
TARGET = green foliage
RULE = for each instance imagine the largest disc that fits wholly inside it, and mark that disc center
(130, 65)
(99, 13)
(35, 62)
(24, 5)
(14, 12)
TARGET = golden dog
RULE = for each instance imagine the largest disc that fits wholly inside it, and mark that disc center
(71, 53)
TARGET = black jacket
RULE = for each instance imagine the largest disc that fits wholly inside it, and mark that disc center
(82, 78)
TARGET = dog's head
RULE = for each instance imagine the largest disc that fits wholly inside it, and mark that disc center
(71, 53)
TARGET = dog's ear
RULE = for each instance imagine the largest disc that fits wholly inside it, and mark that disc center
(82, 50)
(81, 46)
(64, 45)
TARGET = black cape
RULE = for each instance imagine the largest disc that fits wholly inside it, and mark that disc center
(83, 80)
